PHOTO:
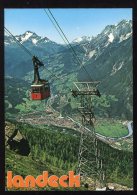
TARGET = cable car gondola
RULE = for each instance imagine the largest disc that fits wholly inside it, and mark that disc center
(40, 89)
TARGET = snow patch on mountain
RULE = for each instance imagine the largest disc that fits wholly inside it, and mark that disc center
(124, 37)
(111, 37)
(78, 40)
(116, 67)
(34, 41)
(7, 42)
(91, 53)
(45, 40)
(82, 39)
(26, 36)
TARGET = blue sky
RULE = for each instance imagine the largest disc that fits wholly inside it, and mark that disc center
(74, 22)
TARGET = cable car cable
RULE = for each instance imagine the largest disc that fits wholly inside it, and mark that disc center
(58, 31)
(66, 39)
(68, 43)
(55, 26)
(25, 49)
(51, 73)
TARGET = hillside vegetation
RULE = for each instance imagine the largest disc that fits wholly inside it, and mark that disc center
(58, 152)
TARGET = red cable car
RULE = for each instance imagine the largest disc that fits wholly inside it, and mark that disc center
(40, 89)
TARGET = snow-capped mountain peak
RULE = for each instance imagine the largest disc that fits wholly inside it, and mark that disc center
(28, 36)
(116, 33)
(111, 34)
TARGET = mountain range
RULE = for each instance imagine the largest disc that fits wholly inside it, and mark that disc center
(106, 57)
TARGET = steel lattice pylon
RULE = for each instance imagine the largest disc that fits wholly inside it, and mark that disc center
(89, 158)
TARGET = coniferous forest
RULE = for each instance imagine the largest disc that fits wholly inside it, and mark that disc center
(52, 147)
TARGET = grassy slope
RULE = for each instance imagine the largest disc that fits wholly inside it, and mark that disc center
(111, 129)
(25, 165)
(61, 155)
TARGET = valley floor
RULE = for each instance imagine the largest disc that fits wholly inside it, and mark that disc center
(111, 131)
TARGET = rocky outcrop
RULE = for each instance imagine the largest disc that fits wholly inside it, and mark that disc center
(14, 140)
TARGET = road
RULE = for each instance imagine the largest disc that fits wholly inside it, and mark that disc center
(130, 129)
(130, 132)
